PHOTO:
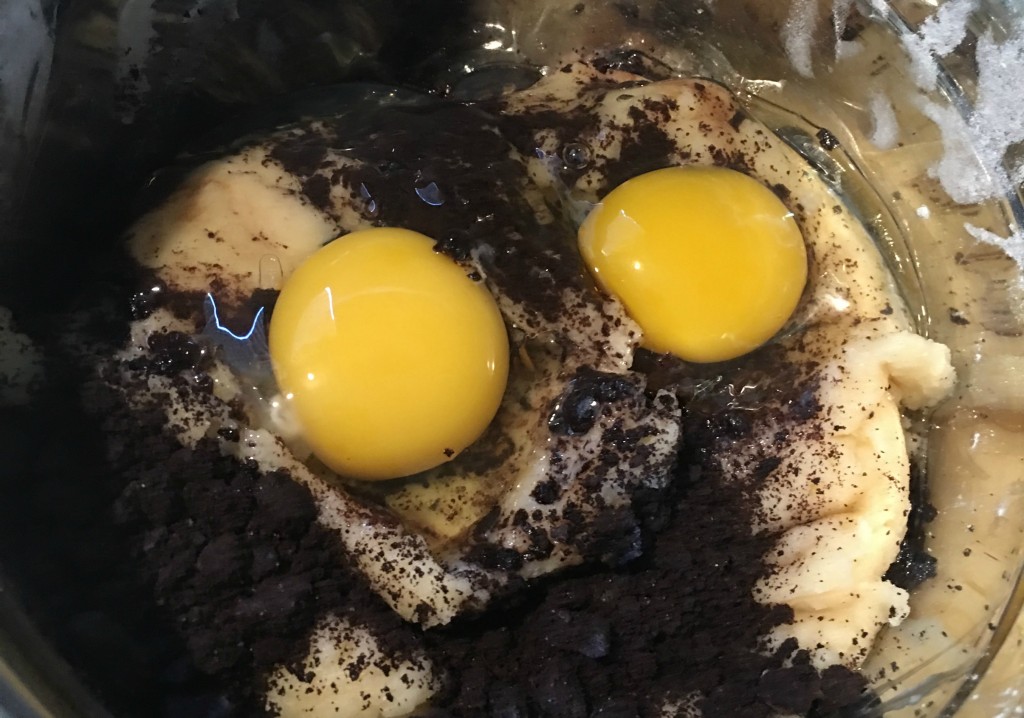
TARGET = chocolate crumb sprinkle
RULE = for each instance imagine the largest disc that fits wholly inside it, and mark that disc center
(827, 140)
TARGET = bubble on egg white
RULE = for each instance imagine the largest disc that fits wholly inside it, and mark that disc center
(574, 207)
(576, 156)
(372, 208)
(248, 354)
(431, 194)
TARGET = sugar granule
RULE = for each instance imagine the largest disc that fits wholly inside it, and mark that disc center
(840, 13)
(885, 128)
(938, 36)
(959, 169)
(997, 122)
(797, 35)
(1012, 245)
(972, 166)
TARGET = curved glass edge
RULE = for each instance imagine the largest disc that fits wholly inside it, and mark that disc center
(995, 644)
(965, 673)
(995, 686)
(34, 681)
(26, 37)
(972, 302)
(977, 478)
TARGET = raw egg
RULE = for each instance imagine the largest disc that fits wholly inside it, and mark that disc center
(393, 359)
(707, 260)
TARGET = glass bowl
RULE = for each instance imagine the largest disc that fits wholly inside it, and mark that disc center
(95, 96)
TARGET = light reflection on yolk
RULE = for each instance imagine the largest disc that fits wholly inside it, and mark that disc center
(708, 261)
(394, 359)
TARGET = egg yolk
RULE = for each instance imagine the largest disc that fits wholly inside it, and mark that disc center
(708, 261)
(394, 360)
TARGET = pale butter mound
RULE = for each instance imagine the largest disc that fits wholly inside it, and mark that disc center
(237, 224)
(841, 495)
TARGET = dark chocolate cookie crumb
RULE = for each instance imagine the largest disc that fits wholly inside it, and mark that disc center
(914, 565)
(827, 140)
(680, 620)
(957, 317)
(235, 557)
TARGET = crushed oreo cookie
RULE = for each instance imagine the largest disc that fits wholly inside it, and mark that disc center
(237, 561)
(680, 621)
(914, 565)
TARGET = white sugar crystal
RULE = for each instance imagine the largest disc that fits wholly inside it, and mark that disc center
(798, 35)
(846, 50)
(923, 212)
(938, 36)
(945, 30)
(998, 121)
(840, 13)
(885, 131)
(1012, 245)
(971, 168)
(923, 67)
(959, 170)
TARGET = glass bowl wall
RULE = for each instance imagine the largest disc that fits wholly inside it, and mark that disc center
(96, 95)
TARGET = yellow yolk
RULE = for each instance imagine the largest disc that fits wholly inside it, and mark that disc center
(708, 261)
(394, 360)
